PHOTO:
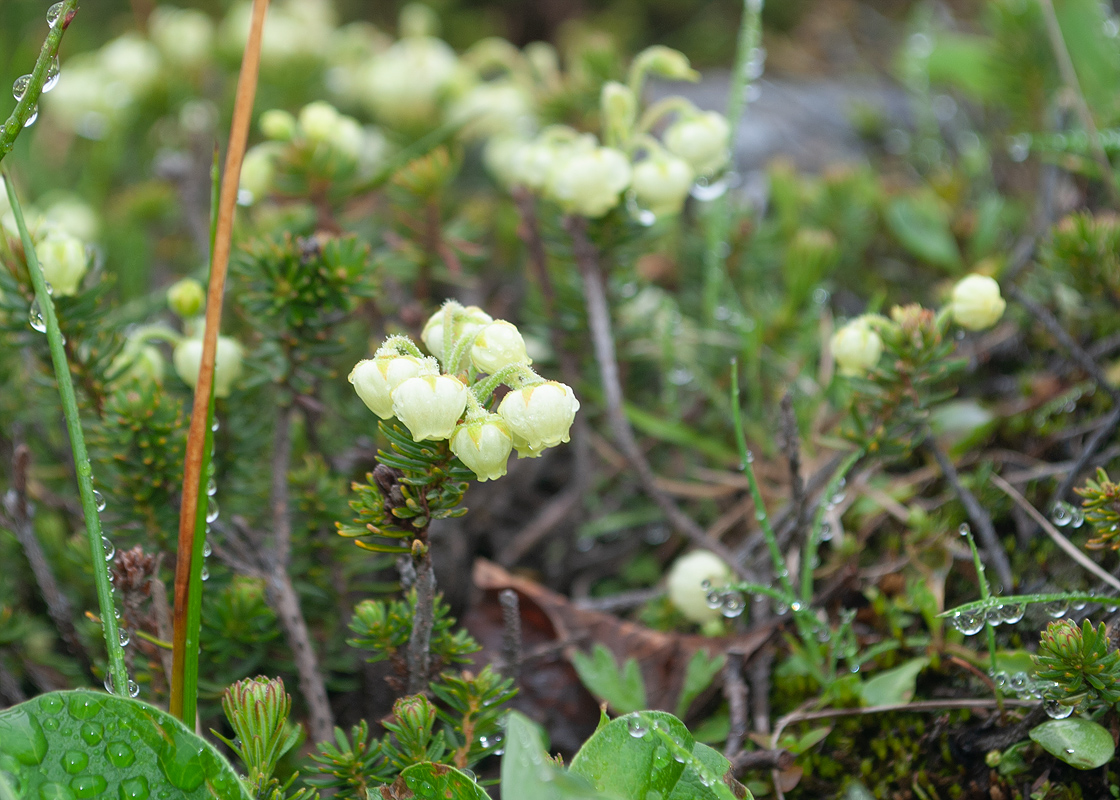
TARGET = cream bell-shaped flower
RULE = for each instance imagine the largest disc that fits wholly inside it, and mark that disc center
(472, 320)
(318, 120)
(497, 346)
(64, 261)
(430, 405)
(856, 347)
(977, 303)
(588, 182)
(187, 359)
(539, 416)
(375, 379)
(661, 184)
(686, 584)
(404, 84)
(701, 140)
(484, 446)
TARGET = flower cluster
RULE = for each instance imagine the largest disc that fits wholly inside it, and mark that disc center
(444, 397)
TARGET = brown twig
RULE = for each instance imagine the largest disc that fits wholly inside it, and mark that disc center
(791, 444)
(1106, 429)
(757, 760)
(511, 633)
(981, 519)
(419, 654)
(219, 265)
(598, 316)
(735, 690)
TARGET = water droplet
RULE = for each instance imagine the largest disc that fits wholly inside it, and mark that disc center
(211, 510)
(968, 622)
(33, 116)
(1061, 514)
(1002, 680)
(133, 688)
(826, 532)
(1019, 682)
(84, 706)
(124, 637)
(108, 683)
(637, 726)
(74, 761)
(35, 318)
(53, 72)
(99, 500)
(965, 529)
(19, 88)
(705, 190)
(1057, 610)
(206, 549)
(51, 724)
(1019, 147)
(53, 14)
(90, 733)
(795, 606)
(994, 616)
(134, 788)
(204, 575)
(1069, 751)
(215, 425)
(1057, 710)
(661, 758)
(733, 605)
(120, 754)
(714, 598)
(1077, 519)
(211, 488)
(108, 547)
(51, 704)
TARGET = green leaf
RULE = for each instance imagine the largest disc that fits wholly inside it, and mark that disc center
(1080, 743)
(627, 759)
(893, 686)
(442, 781)
(528, 772)
(698, 676)
(623, 689)
(81, 743)
(921, 225)
(692, 787)
(963, 61)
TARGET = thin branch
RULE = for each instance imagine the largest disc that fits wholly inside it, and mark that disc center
(979, 516)
(419, 654)
(756, 760)
(735, 690)
(511, 633)
(598, 316)
(1106, 429)
(1062, 542)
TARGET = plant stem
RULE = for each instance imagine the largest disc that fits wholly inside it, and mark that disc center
(718, 221)
(188, 586)
(117, 671)
(420, 640)
(985, 594)
(30, 100)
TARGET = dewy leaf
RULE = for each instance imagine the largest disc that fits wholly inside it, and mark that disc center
(627, 759)
(429, 780)
(528, 772)
(697, 677)
(1080, 743)
(921, 225)
(893, 686)
(692, 787)
(623, 689)
(81, 743)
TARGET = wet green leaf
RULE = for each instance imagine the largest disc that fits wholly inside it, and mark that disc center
(1080, 743)
(626, 758)
(893, 686)
(528, 772)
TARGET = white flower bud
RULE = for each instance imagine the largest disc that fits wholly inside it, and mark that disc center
(258, 171)
(500, 157)
(497, 346)
(184, 36)
(64, 261)
(472, 320)
(661, 184)
(686, 584)
(375, 379)
(404, 85)
(665, 62)
(227, 363)
(701, 140)
(277, 124)
(618, 107)
(484, 446)
(143, 364)
(430, 405)
(539, 416)
(132, 62)
(70, 214)
(318, 120)
(491, 109)
(186, 298)
(531, 163)
(588, 182)
(977, 303)
(856, 347)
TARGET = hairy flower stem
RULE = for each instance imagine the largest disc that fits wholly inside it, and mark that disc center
(599, 320)
(419, 641)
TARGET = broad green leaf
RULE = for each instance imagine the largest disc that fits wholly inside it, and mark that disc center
(528, 772)
(628, 759)
(961, 424)
(893, 686)
(82, 743)
(429, 780)
(1095, 56)
(963, 61)
(692, 787)
(1080, 743)
(921, 225)
(698, 676)
(623, 689)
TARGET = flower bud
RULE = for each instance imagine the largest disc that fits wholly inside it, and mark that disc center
(977, 303)
(227, 363)
(492, 109)
(142, 364)
(277, 124)
(470, 321)
(404, 85)
(186, 298)
(686, 584)
(665, 62)
(530, 163)
(430, 405)
(484, 446)
(661, 184)
(498, 345)
(318, 120)
(701, 140)
(856, 347)
(619, 108)
(184, 36)
(69, 213)
(539, 416)
(375, 379)
(64, 261)
(588, 182)
(258, 171)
